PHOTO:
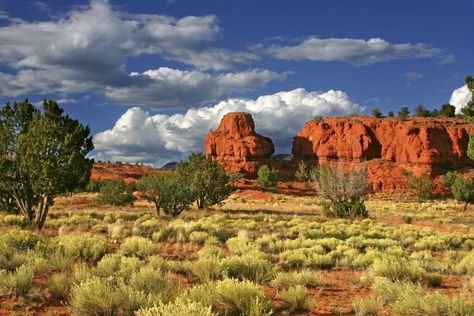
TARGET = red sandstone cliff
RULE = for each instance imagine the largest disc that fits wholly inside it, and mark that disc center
(387, 145)
(236, 144)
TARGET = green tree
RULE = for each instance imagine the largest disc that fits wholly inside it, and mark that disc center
(116, 192)
(303, 173)
(403, 113)
(470, 82)
(391, 114)
(343, 191)
(447, 110)
(266, 177)
(423, 185)
(421, 111)
(207, 179)
(448, 179)
(167, 191)
(463, 190)
(376, 113)
(42, 155)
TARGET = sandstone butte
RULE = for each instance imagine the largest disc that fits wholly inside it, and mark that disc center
(237, 146)
(387, 146)
(384, 146)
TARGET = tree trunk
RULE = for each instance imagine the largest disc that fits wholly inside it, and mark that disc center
(158, 207)
(465, 206)
(42, 212)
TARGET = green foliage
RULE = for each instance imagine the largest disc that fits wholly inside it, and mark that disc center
(42, 155)
(470, 146)
(423, 185)
(447, 110)
(207, 179)
(303, 173)
(59, 285)
(297, 298)
(16, 283)
(421, 111)
(376, 113)
(343, 191)
(366, 306)
(303, 277)
(403, 113)
(266, 177)
(84, 247)
(137, 246)
(249, 267)
(448, 179)
(116, 192)
(463, 190)
(180, 307)
(94, 185)
(232, 297)
(391, 114)
(169, 192)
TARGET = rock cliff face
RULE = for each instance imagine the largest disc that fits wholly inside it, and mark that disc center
(237, 146)
(387, 146)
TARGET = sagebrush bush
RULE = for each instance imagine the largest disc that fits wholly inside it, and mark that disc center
(303, 277)
(16, 283)
(198, 237)
(59, 285)
(98, 296)
(249, 267)
(180, 307)
(266, 177)
(396, 268)
(208, 269)
(150, 281)
(85, 247)
(297, 298)
(366, 306)
(240, 245)
(137, 246)
(232, 297)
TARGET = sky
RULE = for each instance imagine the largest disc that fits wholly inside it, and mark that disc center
(152, 77)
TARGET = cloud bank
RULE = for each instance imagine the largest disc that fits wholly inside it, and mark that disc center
(356, 51)
(140, 137)
(86, 51)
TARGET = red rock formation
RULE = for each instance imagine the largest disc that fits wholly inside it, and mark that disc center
(236, 144)
(387, 145)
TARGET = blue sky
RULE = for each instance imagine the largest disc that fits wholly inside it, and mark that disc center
(132, 70)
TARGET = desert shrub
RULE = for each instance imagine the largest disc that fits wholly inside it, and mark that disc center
(463, 190)
(16, 283)
(97, 296)
(297, 298)
(180, 307)
(15, 220)
(232, 297)
(240, 245)
(208, 269)
(19, 240)
(431, 304)
(466, 265)
(211, 251)
(137, 246)
(209, 182)
(423, 185)
(198, 237)
(303, 173)
(448, 179)
(59, 261)
(59, 285)
(342, 190)
(117, 230)
(85, 247)
(266, 177)
(303, 277)
(145, 226)
(366, 306)
(94, 186)
(150, 281)
(376, 113)
(249, 267)
(396, 268)
(116, 192)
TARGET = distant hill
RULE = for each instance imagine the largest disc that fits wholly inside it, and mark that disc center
(120, 171)
(169, 166)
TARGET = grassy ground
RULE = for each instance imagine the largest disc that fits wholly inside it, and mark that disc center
(260, 253)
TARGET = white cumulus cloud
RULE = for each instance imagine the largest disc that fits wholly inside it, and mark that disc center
(356, 51)
(139, 136)
(460, 97)
(166, 87)
(86, 50)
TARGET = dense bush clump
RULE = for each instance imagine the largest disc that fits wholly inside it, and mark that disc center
(116, 192)
(266, 177)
